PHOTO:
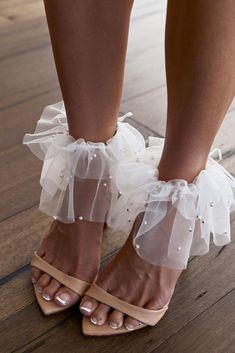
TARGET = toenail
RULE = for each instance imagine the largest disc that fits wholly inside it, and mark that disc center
(63, 298)
(39, 289)
(94, 320)
(129, 327)
(46, 297)
(113, 325)
(33, 280)
(87, 306)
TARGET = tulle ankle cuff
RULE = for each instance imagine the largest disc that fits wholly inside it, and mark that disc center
(76, 174)
(175, 218)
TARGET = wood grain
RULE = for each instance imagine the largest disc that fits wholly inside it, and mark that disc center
(201, 316)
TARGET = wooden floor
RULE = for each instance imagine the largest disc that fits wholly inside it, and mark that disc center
(201, 318)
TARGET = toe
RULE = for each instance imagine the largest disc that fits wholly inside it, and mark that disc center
(88, 305)
(100, 314)
(49, 291)
(116, 319)
(35, 274)
(66, 297)
(42, 282)
(132, 324)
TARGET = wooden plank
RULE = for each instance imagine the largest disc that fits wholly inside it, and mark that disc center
(196, 292)
(205, 292)
(213, 331)
(21, 11)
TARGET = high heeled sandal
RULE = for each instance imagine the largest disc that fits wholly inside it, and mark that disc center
(76, 285)
(76, 179)
(146, 317)
(174, 220)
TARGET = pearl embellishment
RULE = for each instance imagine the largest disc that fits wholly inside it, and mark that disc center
(212, 204)
(179, 248)
(119, 194)
(80, 218)
(105, 184)
(137, 246)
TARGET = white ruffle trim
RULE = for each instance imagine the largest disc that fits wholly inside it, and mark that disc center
(175, 218)
(76, 175)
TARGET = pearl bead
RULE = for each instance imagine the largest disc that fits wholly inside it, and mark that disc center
(105, 184)
(199, 216)
(179, 248)
(202, 236)
(145, 222)
(80, 218)
(110, 176)
(54, 217)
(190, 229)
(119, 194)
(94, 155)
(137, 246)
(212, 204)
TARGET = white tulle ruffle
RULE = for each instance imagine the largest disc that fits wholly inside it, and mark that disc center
(76, 175)
(175, 218)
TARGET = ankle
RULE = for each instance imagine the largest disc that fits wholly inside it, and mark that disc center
(179, 169)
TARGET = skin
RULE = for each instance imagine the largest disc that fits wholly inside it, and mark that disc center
(200, 56)
(89, 40)
(200, 69)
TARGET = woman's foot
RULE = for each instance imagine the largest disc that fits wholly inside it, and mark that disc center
(131, 279)
(75, 250)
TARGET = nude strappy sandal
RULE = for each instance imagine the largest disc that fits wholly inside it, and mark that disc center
(77, 285)
(145, 316)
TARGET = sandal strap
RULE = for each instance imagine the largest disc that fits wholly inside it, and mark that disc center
(77, 285)
(147, 316)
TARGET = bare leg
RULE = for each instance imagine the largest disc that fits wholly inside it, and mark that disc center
(200, 56)
(89, 40)
(200, 68)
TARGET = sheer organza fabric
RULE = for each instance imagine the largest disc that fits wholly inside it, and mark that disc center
(175, 218)
(117, 182)
(76, 174)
